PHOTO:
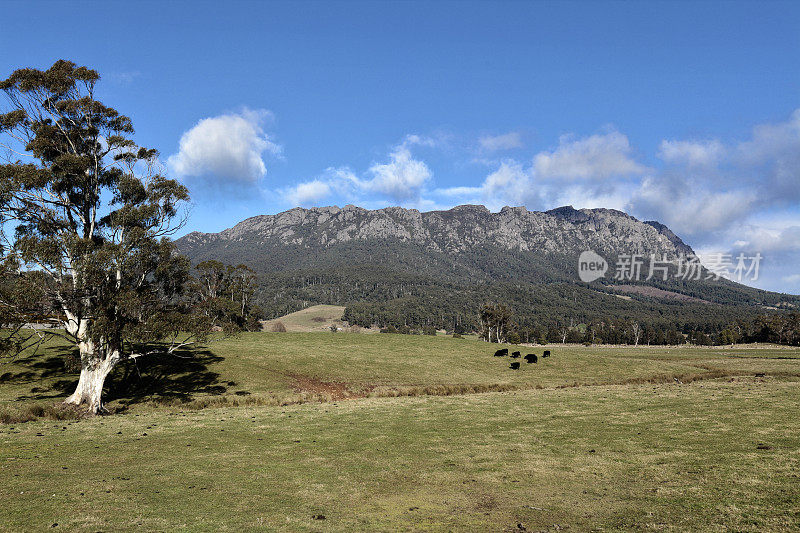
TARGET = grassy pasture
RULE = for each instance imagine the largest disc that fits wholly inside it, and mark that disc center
(314, 318)
(593, 438)
(290, 367)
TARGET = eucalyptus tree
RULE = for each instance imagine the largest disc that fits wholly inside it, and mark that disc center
(496, 322)
(87, 217)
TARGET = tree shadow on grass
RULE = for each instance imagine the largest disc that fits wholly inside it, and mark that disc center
(163, 378)
(45, 371)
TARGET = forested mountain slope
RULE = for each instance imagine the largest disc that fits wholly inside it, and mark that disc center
(403, 266)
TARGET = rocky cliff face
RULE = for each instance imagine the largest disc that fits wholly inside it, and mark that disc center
(460, 229)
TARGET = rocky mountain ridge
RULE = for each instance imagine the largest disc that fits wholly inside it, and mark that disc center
(455, 230)
(403, 266)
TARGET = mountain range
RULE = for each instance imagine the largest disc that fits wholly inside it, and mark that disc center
(402, 266)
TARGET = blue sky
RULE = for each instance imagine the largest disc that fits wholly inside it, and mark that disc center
(685, 112)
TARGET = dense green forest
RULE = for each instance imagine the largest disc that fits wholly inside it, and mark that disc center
(388, 282)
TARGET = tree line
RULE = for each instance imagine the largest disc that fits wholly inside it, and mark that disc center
(498, 325)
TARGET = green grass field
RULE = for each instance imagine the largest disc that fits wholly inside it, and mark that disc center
(316, 318)
(383, 432)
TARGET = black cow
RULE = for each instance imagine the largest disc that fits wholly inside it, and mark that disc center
(546, 353)
(531, 358)
(515, 355)
(515, 365)
(501, 353)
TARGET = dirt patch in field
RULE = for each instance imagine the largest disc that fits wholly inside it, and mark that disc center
(336, 390)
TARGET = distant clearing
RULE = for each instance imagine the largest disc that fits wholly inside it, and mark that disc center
(653, 292)
(311, 319)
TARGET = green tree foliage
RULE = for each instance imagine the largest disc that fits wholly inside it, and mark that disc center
(496, 323)
(227, 293)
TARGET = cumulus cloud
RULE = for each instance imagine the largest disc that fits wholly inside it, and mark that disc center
(594, 168)
(692, 153)
(509, 184)
(776, 241)
(770, 240)
(308, 193)
(689, 208)
(771, 160)
(709, 187)
(597, 157)
(401, 178)
(226, 150)
(506, 141)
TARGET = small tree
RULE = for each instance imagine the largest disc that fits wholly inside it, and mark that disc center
(91, 217)
(496, 322)
(227, 291)
(636, 330)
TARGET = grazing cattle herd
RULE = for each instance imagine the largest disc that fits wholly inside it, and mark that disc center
(515, 365)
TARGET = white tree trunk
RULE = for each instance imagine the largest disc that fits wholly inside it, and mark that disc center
(94, 371)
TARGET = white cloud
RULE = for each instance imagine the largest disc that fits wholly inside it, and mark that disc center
(771, 160)
(581, 197)
(460, 191)
(308, 193)
(402, 178)
(691, 153)
(597, 168)
(124, 78)
(712, 192)
(510, 184)
(418, 140)
(770, 240)
(506, 141)
(597, 157)
(687, 207)
(227, 149)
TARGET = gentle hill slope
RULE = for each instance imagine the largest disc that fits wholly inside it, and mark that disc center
(314, 318)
